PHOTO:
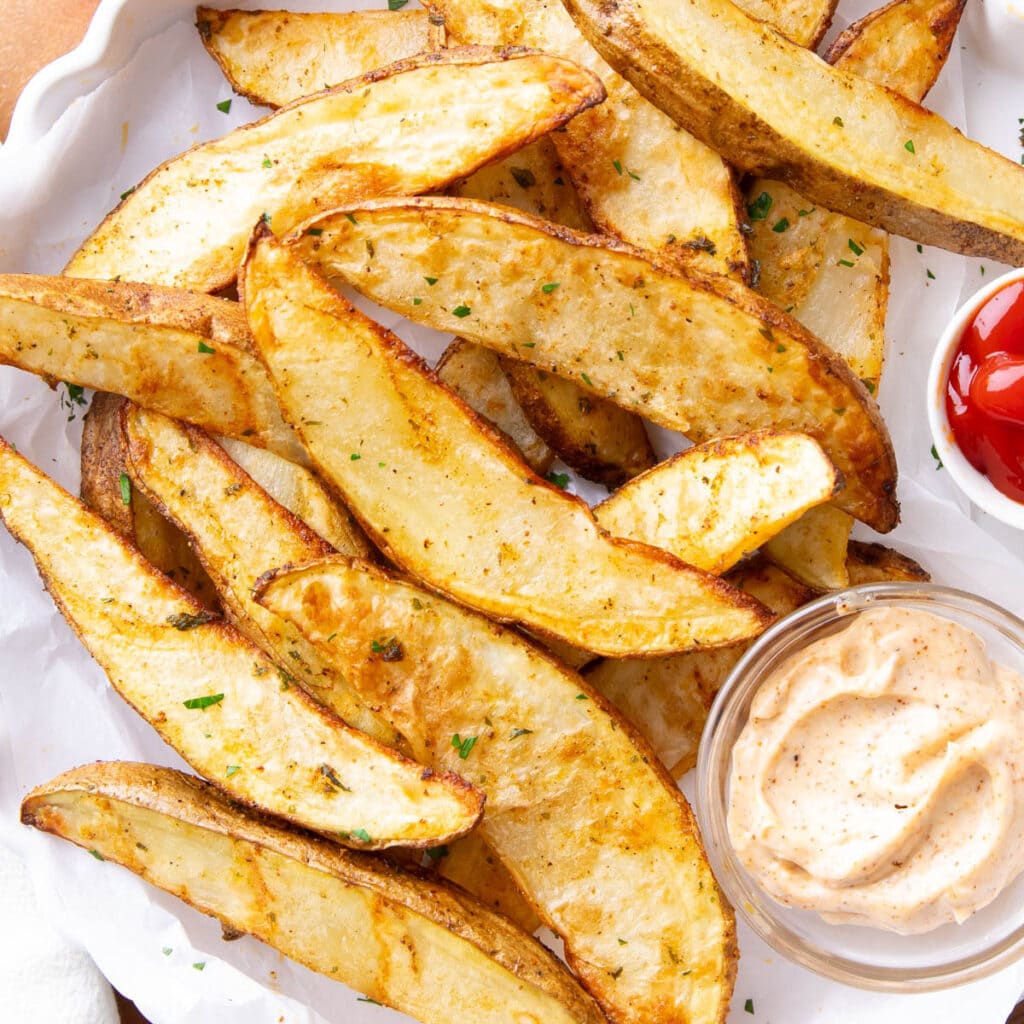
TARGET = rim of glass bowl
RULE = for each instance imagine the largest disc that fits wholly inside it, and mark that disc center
(726, 718)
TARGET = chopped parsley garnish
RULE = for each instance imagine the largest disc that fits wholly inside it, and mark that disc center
(431, 281)
(233, 769)
(622, 358)
(315, 232)
(167, 951)
(224, 106)
(126, 489)
(267, 162)
(351, 219)
(529, 344)
(524, 177)
(437, 852)
(199, 965)
(869, 384)
(582, 696)
(463, 746)
(558, 479)
(845, 263)
(635, 177)
(461, 311)
(856, 249)
(367, 999)
(76, 393)
(206, 350)
(780, 349)
(839, 410)
(516, 733)
(806, 213)
(396, 5)
(931, 276)
(389, 649)
(198, 703)
(837, 121)
(749, 1006)
(189, 620)
(617, 164)
(920, 247)
(935, 456)
(265, 217)
(127, 192)
(909, 146)
(615, 974)
(362, 835)
(550, 287)
(780, 225)
(97, 855)
(354, 457)
(417, 302)
(758, 209)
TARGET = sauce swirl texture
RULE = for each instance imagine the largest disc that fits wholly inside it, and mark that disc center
(880, 777)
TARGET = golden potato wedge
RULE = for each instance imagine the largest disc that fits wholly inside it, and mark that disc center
(107, 490)
(445, 497)
(600, 440)
(903, 45)
(188, 356)
(813, 549)
(239, 532)
(703, 355)
(840, 140)
(874, 563)
(412, 127)
(578, 809)
(718, 502)
(347, 915)
(303, 494)
(668, 699)
(475, 375)
(641, 178)
(470, 863)
(215, 697)
(805, 22)
(277, 57)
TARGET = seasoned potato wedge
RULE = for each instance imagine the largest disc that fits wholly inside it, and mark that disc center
(412, 127)
(875, 563)
(239, 532)
(453, 504)
(668, 699)
(276, 57)
(715, 503)
(840, 140)
(578, 810)
(802, 21)
(600, 440)
(107, 490)
(641, 178)
(215, 697)
(813, 549)
(475, 375)
(189, 356)
(703, 355)
(903, 45)
(347, 915)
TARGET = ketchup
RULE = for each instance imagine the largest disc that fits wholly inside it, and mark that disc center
(985, 391)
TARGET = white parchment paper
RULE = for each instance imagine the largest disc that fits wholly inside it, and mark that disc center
(157, 95)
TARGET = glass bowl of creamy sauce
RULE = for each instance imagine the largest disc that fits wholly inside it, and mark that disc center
(860, 787)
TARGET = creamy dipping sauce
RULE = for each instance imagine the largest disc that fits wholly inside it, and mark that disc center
(879, 779)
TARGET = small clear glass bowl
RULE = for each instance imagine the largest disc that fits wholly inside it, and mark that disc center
(871, 958)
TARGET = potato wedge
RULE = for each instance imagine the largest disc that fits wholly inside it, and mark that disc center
(715, 503)
(188, 356)
(212, 695)
(412, 127)
(875, 563)
(578, 810)
(642, 179)
(446, 498)
(804, 22)
(600, 440)
(239, 532)
(347, 915)
(276, 57)
(475, 375)
(840, 140)
(668, 699)
(703, 355)
(813, 549)
(903, 45)
(107, 490)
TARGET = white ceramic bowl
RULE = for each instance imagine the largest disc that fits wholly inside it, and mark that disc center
(975, 485)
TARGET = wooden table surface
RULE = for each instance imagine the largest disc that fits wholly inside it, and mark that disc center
(34, 34)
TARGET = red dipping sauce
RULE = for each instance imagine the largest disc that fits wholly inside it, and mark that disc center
(985, 391)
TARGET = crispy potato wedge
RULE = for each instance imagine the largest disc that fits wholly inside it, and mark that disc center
(412, 127)
(107, 490)
(703, 355)
(840, 140)
(804, 22)
(475, 375)
(470, 863)
(350, 916)
(718, 502)
(578, 809)
(903, 45)
(447, 499)
(668, 699)
(875, 563)
(303, 494)
(239, 532)
(276, 57)
(213, 695)
(813, 549)
(642, 179)
(600, 440)
(188, 356)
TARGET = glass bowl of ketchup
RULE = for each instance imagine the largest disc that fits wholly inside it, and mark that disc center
(976, 398)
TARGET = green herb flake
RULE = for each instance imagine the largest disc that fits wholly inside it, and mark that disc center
(622, 942)
(315, 232)
(806, 213)
(167, 951)
(920, 247)
(635, 177)
(558, 479)
(267, 162)
(396, 5)
(523, 177)
(845, 263)
(780, 225)
(837, 121)
(189, 620)
(362, 835)
(198, 703)
(931, 276)
(617, 164)
(780, 349)
(437, 852)
(582, 696)
(586, 380)
(839, 410)
(367, 999)
(417, 302)
(354, 457)
(233, 769)
(616, 973)
(857, 250)
(516, 733)
(265, 217)
(758, 209)
(463, 746)
(76, 393)
(461, 311)
(981, 270)
(206, 350)
(935, 456)
(431, 281)
(909, 146)
(869, 384)
(749, 1006)
(622, 358)
(418, 604)
(199, 965)
(224, 106)
(550, 287)
(389, 649)
(126, 193)
(529, 344)
(97, 855)
(126, 489)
